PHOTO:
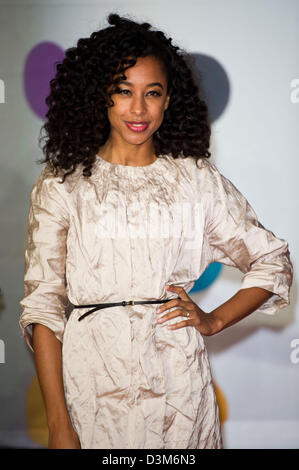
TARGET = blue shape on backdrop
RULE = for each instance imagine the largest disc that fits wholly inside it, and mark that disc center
(213, 80)
(207, 278)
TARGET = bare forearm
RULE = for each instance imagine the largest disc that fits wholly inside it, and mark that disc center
(48, 361)
(244, 302)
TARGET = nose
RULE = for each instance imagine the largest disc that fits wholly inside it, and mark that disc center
(138, 105)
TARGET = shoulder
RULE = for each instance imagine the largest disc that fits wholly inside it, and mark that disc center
(50, 196)
(209, 176)
(48, 183)
(192, 163)
(201, 169)
(212, 186)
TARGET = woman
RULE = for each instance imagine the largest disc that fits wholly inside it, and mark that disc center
(128, 131)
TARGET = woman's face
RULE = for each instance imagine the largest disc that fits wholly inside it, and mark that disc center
(139, 107)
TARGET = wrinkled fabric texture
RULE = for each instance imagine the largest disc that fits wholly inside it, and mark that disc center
(121, 234)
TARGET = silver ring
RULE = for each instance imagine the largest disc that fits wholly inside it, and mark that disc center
(188, 314)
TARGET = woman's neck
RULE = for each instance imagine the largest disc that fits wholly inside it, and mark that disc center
(133, 156)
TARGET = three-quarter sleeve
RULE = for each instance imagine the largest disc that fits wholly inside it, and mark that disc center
(237, 238)
(45, 298)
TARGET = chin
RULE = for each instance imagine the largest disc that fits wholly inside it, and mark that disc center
(138, 139)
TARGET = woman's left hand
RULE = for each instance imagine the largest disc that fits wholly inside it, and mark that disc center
(206, 323)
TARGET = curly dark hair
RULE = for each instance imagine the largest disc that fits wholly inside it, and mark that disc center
(77, 123)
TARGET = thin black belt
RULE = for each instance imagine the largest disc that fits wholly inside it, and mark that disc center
(114, 304)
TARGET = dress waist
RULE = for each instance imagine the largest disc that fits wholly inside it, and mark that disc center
(115, 304)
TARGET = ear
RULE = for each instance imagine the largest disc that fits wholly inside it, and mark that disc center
(166, 102)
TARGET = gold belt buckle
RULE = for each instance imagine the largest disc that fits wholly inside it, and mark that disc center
(128, 302)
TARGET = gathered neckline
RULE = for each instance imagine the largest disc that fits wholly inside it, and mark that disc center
(129, 168)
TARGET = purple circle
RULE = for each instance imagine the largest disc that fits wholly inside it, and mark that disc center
(40, 68)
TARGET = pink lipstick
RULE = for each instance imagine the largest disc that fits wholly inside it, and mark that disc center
(137, 126)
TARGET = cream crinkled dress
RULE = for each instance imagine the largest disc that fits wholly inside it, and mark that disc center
(121, 234)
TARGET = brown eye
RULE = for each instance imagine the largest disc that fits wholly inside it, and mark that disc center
(123, 92)
(155, 93)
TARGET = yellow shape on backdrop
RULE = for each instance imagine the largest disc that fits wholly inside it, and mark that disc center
(222, 404)
(36, 414)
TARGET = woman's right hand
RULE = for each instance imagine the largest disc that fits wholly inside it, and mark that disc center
(63, 437)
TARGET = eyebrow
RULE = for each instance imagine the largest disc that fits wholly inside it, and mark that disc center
(125, 82)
